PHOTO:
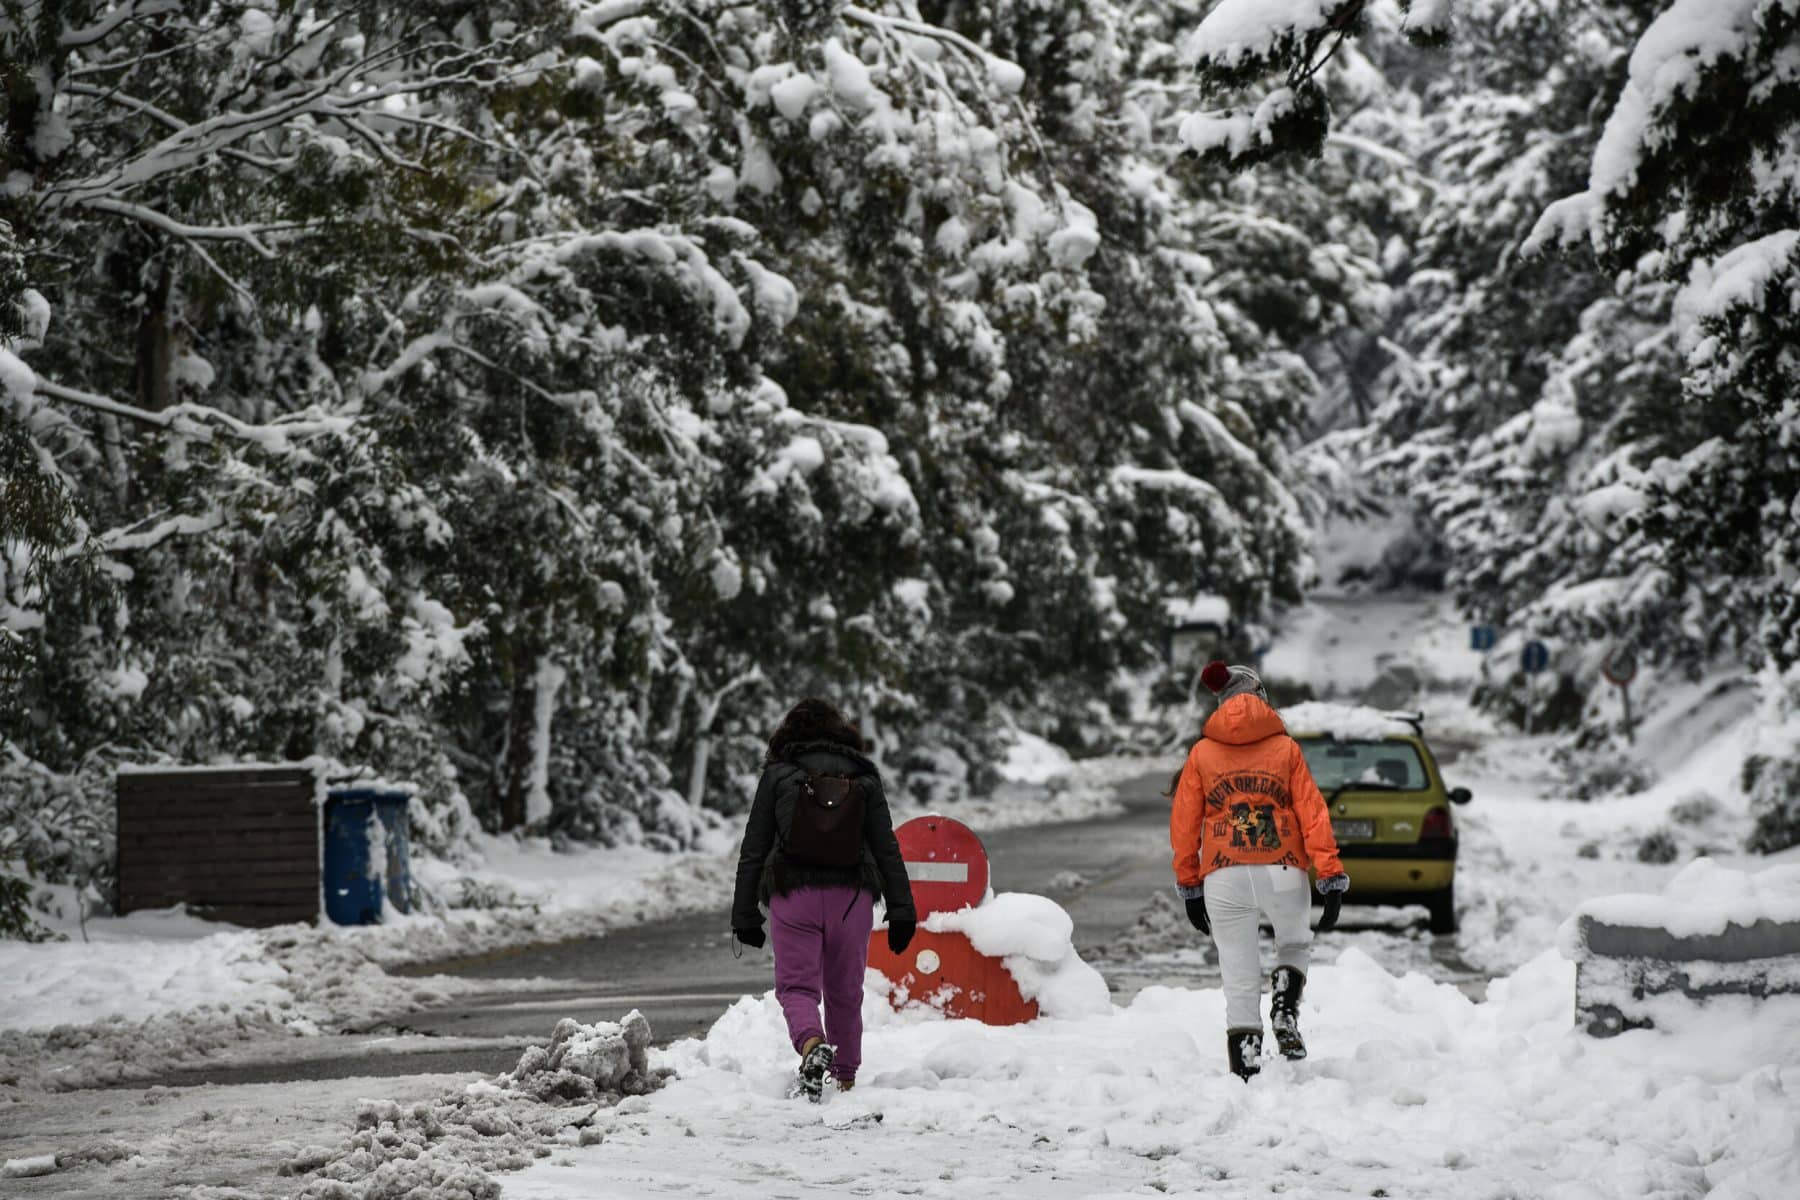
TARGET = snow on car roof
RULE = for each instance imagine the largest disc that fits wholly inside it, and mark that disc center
(1347, 722)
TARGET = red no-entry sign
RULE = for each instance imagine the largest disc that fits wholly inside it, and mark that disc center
(948, 868)
(946, 863)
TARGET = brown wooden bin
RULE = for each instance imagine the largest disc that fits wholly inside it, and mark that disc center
(238, 844)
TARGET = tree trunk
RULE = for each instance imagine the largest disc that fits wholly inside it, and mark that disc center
(155, 344)
(516, 760)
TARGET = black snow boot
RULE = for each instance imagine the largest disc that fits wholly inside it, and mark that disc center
(813, 1070)
(1245, 1047)
(1284, 1011)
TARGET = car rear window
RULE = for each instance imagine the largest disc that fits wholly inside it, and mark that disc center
(1335, 764)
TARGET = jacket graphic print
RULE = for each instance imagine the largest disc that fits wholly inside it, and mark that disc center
(1246, 796)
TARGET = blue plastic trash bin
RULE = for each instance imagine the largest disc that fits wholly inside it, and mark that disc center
(365, 851)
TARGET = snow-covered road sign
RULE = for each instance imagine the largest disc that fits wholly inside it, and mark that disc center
(948, 868)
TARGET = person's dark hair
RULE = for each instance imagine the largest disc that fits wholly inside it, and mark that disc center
(815, 720)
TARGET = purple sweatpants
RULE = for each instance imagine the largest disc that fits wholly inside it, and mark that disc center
(821, 942)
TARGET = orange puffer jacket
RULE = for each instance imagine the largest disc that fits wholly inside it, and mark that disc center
(1246, 796)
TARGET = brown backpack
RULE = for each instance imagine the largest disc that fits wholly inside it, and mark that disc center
(827, 829)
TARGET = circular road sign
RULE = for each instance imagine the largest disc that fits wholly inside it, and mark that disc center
(1535, 658)
(945, 861)
(1620, 667)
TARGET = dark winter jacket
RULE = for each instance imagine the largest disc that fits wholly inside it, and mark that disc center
(764, 870)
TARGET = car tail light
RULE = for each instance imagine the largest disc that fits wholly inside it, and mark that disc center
(1437, 825)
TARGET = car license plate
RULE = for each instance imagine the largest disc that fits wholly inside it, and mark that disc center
(1352, 830)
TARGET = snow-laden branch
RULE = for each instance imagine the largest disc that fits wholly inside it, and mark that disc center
(112, 22)
(249, 235)
(197, 420)
(134, 537)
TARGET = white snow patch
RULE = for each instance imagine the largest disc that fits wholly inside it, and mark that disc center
(1704, 899)
(1343, 722)
(1034, 936)
(1031, 759)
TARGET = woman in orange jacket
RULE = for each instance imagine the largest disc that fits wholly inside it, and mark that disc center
(1246, 823)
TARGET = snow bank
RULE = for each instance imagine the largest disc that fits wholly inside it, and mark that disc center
(1344, 722)
(1408, 1081)
(72, 983)
(1031, 759)
(1034, 936)
(1705, 898)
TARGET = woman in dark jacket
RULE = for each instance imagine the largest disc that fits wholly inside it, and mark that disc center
(819, 877)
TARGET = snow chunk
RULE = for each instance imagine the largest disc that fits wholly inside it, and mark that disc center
(1704, 899)
(804, 454)
(1740, 278)
(793, 95)
(28, 1168)
(850, 81)
(1034, 936)
(1235, 132)
(122, 683)
(1344, 722)
(17, 381)
(1236, 30)
(1006, 75)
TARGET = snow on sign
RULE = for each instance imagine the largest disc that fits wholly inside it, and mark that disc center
(945, 861)
(948, 868)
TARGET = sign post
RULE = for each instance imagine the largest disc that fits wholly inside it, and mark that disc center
(1620, 668)
(1535, 657)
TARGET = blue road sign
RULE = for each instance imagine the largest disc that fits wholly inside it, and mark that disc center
(1481, 637)
(1535, 658)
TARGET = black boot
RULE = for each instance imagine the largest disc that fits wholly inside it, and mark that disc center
(1284, 1011)
(813, 1068)
(1245, 1047)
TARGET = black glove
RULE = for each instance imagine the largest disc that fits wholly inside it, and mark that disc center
(752, 936)
(1333, 889)
(1328, 919)
(1197, 917)
(900, 933)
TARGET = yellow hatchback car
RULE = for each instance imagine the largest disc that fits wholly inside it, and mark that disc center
(1390, 811)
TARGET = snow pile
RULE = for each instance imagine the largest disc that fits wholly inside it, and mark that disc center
(444, 1149)
(1034, 937)
(1408, 1081)
(1704, 899)
(1344, 722)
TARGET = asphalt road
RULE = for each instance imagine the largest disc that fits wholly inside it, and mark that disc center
(682, 973)
(685, 971)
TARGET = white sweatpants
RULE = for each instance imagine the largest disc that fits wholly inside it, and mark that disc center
(1235, 896)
